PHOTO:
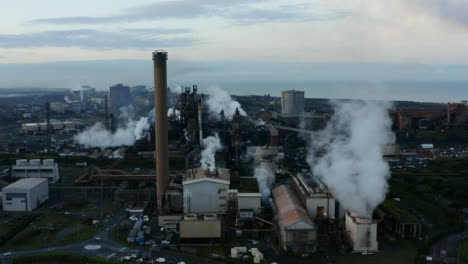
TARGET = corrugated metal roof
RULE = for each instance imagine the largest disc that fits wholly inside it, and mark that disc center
(290, 211)
(26, 183)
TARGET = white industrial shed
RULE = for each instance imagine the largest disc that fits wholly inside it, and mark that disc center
(25, 194)
(206, 192)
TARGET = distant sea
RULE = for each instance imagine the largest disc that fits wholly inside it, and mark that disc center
(418, 91)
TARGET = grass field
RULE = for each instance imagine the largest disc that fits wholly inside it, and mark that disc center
(81, 234)
(119, 233)
(463, 252)
(40, 232)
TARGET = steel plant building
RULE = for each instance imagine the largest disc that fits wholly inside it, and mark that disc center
(25, 194)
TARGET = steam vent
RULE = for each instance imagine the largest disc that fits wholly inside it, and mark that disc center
(160, 112)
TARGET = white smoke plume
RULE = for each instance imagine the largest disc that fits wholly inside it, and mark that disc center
(352, 165)
(265, 179)
(210, 145)
(126, 135)
(172, 112)
(219, 100)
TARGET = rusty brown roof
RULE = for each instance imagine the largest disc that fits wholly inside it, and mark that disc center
(290, 211)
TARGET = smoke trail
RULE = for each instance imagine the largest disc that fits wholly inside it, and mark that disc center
(220, 100)
(171, 112)
(353, 166)
(126, 135)
(210, 145)
(265, 179)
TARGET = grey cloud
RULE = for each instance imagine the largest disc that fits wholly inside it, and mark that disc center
(283, 13)
(239, 11)
(455, 11)
(89, 38)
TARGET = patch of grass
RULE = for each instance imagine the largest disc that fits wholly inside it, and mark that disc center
(81, 234)
(463, 252)
(113, 208)
(28, 239)
(39, 232)
(399, 213)
(120, 233)
(49, 220)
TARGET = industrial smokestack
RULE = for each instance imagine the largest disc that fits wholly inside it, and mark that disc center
(160, 112)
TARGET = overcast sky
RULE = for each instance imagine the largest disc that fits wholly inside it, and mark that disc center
(232, 40)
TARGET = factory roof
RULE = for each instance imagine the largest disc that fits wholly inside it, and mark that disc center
(27, 183)
(290, 211)
(201, 174)
(310, 184)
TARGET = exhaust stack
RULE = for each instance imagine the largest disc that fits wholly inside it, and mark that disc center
(161, 135)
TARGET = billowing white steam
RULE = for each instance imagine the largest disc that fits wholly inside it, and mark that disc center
(210, 145)
(352, 165)
(219, 100)
(172, 112)
(126, 135)
(265, 179)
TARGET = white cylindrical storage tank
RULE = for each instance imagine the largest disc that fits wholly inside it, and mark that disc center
(292, 103)
(48, 162)
(190, 217)
(35, 162)
(22, 162)
(210, 217)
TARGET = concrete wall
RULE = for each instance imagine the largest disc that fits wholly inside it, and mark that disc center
(200, 229)
(205, 197)
(249, 201)
(363, 233)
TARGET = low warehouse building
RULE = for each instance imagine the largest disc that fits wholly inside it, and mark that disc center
(36, 169)
(296, 230)
(205, 191)
(25, 194)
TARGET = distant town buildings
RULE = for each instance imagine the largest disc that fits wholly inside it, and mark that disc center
(119, 96)
(25, 194)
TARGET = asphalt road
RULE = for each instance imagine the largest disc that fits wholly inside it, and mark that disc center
(108, 248)
(450, 245)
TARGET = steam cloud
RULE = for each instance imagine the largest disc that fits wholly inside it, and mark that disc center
(265, 179)
(210, 145)
(220, 100)
(353, 166)
(126, 135)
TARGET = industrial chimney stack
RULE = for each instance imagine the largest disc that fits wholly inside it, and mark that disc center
(160, 111)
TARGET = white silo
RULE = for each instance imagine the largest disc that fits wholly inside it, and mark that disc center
(292, 103)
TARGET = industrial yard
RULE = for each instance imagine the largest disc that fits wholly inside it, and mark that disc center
(136, 175)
